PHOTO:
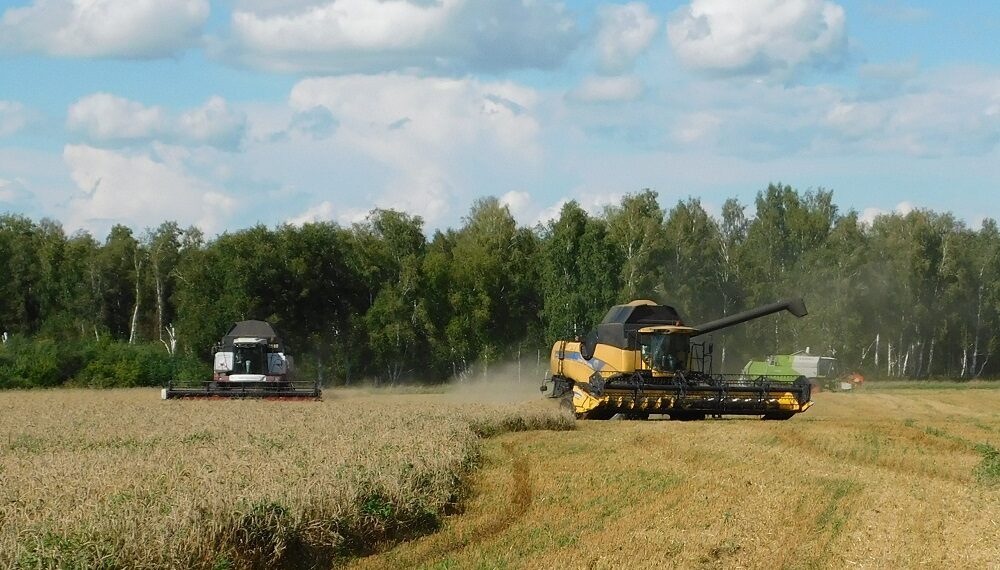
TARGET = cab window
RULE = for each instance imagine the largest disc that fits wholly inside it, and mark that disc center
(664, 352)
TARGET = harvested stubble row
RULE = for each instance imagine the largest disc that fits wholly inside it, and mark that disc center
(121, 479)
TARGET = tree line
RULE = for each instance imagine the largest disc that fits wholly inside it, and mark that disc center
(909, 296)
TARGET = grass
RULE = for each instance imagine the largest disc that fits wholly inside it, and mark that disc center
(894, 479)
(120, 479)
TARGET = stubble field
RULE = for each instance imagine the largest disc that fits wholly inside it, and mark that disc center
(886, 478)
(897, 478)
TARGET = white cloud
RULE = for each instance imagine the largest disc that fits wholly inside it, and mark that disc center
(552, 212)
(761, 37)
(516, 201)
(106, 118)
(441, 113)
(520, 205)
(868, 215)
(140, 190)
(322, 212)
(697, 127)
(608, 89)
(951, 113)
(344, 36)
(625, 32)
(214, 124)
(594, 203)
(12, 191)
(424, 129)
(104, 28)
(14, 117)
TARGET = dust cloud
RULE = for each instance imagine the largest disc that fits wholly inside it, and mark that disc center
(501, 383)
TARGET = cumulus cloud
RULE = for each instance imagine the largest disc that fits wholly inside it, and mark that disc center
(423, 128)
(528, 212)
(519, 203)
(868, 215)
(608, 89)
(952, 113)
(106, 118)
(344, 36)
(325, 211)
(14, 117)
(104, 28)
(625, 32)
(761, 37)
(697, 127)
(213, 124)
(140, 189)
(12, 191)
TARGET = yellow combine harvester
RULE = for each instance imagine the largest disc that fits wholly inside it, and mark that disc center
(640, 360)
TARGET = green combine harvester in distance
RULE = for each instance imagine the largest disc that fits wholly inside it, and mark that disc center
(820, 370)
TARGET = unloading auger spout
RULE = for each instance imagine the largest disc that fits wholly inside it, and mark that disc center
(795, 306)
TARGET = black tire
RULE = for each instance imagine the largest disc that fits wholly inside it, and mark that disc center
(567, 404)
(686, 416)
(778, 416)
(597, 414)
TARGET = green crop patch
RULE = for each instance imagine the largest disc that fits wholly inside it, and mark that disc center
(988, 470)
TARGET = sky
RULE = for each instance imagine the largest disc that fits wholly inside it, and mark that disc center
(225, 114)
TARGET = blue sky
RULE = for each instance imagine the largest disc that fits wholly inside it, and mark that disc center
(226, 114)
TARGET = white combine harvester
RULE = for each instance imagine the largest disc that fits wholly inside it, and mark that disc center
(250, 362)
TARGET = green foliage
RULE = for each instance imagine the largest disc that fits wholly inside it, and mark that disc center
(119, 365)
(988, 470)
(46, 363)
(41, 363)
(902, 296)
(579, 274)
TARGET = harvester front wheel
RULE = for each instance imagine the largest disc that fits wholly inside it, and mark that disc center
(686, 416)
(597, 414)
(566, 403)
(778, 415)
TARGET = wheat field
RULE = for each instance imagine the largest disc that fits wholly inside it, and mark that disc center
(121, 479)
(895, 478)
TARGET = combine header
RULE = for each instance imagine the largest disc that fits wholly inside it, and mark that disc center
(250, 362)
(640, 360)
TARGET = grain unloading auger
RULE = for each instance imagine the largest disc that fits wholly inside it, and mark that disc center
(250, 362)
(641, 360)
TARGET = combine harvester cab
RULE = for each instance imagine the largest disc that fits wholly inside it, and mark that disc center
(250, 362)
(640, 361)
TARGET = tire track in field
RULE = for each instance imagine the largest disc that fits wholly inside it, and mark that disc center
(472, 527)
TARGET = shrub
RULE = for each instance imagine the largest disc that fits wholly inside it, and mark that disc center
(46, 363)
